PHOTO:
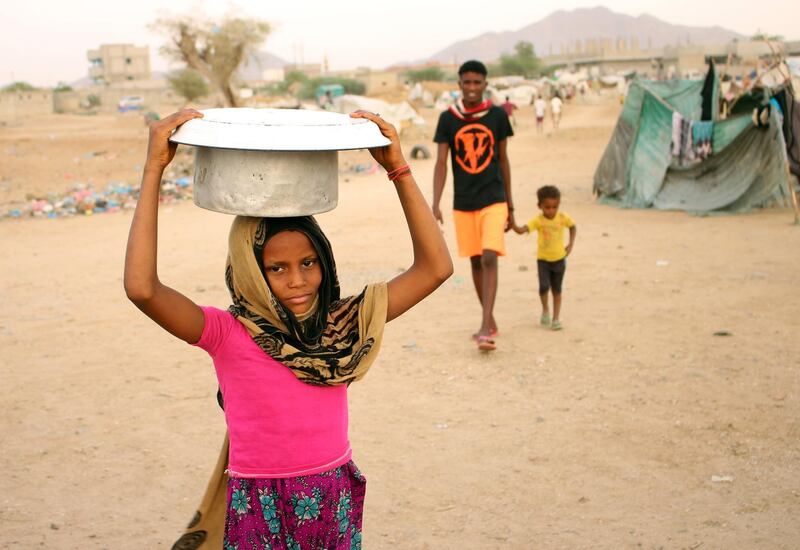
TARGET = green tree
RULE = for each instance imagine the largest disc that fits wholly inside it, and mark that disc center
(767, 37)
(426, 74)
(19, 86)
(214, 50)
(189, 84)
(522, 62)
(62, 87)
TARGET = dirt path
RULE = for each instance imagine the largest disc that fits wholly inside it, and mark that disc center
(606, 435)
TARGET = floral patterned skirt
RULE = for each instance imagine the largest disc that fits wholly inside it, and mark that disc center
(319, 511)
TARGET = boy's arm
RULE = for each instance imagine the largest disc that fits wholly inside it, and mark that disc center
(573, 231)
(172, 310)
(505, 170)
(439, 177)
(432, 264)
(520, 230)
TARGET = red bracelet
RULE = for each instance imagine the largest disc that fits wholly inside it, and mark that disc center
(396, 177)
(394, 174)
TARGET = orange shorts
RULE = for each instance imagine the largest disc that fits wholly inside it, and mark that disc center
(480, 230)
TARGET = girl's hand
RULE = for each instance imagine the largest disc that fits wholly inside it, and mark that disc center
(161, 151)
(390, 156)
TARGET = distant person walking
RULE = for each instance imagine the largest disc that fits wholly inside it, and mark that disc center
(509, 108)
(555, 110)
(539, 109)
(475, 134)
(326, 101)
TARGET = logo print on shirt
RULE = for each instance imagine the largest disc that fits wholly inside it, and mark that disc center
(474, 148)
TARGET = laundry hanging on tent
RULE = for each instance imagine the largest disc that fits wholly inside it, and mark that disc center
(682, 148)
(702, 138)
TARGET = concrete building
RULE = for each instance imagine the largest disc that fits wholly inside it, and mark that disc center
(311, 70)
(736, 58)
(379, 82)
(111, 63)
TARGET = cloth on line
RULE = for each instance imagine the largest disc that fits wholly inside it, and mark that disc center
(702, 138)
(682, 148)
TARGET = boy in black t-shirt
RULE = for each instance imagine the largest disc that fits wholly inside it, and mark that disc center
(475, 133)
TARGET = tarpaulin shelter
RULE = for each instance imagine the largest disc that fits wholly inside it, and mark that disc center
(747, 168)
(402, 115)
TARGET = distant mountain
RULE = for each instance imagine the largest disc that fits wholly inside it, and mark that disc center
(562, 28)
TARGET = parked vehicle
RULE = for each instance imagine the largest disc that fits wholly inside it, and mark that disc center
(130, 103)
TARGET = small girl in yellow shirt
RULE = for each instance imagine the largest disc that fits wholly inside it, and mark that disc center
(551, 254)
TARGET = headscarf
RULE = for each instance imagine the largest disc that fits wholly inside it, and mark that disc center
(336, 341)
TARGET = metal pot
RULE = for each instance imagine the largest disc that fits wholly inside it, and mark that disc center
(266, 183)
(271, 162)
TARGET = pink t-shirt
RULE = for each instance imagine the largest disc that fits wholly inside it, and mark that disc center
(278, 426)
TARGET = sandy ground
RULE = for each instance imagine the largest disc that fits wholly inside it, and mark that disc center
(605, 435)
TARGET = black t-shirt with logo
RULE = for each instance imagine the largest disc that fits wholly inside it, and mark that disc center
(474, 154)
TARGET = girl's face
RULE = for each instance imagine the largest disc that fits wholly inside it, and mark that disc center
(293, 270)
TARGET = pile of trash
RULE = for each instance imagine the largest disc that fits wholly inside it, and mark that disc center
(365, 168)
(84, 200)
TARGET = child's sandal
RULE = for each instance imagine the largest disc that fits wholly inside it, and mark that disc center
(545, 319)
(556, 325)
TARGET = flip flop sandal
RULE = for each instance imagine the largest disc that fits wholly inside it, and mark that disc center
(556, 325)
(544, 320)
(485, 343)
(492, 334)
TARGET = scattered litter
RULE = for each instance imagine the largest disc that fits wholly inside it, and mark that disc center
(723, 333)
(361, 168)
(721, 479)
(412, 346)
(662, 263)
(523, 268)
(440, 426)
(84, 199)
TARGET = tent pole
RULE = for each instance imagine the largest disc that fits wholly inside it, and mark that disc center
(792, 194)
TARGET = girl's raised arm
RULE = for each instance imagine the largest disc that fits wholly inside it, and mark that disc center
(432, 264)
(172, 310)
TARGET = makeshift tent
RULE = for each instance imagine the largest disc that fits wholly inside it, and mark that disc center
(520, 95)
(747, 168)
(402, 115)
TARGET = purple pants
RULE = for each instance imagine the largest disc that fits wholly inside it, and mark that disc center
(319, 511)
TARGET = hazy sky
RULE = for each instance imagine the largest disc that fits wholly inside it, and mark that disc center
(46, 42)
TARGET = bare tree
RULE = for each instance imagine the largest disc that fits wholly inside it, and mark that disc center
(214, 50)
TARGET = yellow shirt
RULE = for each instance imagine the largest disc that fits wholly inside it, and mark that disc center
(551, 235)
